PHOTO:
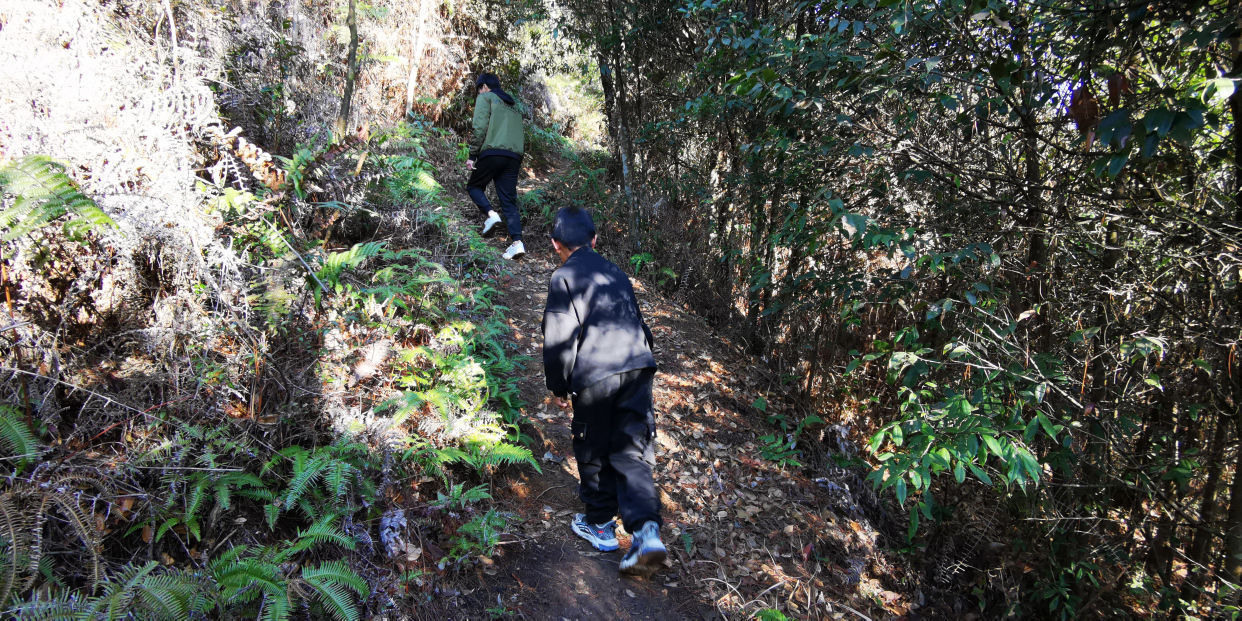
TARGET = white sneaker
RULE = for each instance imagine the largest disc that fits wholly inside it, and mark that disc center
(493, 219)
(647, 552)
(516, 249)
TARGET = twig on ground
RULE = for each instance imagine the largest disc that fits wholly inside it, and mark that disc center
(550, 489)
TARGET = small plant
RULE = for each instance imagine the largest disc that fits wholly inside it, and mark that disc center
(782, 447)
(321, 481)
(639, 261)
(273, 579)
(477, 537)
(17, 441)
(42, 192)
(458, 497)
(770, 614)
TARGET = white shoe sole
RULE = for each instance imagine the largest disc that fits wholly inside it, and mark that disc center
(489, 225)
(646, 563)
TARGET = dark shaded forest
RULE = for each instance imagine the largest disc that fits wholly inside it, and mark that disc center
(984, 255)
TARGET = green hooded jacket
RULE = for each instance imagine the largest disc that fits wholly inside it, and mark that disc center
(497, 126)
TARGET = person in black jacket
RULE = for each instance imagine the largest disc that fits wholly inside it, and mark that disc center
(597, 349)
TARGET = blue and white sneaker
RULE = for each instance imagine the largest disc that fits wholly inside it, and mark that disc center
(602, 536)
(647, 552)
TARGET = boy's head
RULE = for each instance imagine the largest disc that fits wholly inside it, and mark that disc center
(573, 228)
(487, 79)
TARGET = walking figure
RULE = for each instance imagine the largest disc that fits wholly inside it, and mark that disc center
(496, 156)
(597, 351)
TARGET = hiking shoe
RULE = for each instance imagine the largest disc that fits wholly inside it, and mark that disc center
(602, 536)
(492, 220)
(516, 249)
(647, 552)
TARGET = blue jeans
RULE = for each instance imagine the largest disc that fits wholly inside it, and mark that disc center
(503, 171)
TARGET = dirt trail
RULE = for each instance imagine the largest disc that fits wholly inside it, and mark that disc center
(743, 534)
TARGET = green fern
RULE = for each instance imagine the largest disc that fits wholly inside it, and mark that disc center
(55, 606)
(336, 263)
(134, 592)
(329, 580)
(247, 575)
(458, 497)
(323, 530)
(43, 192)
(321, 480)
(16, 438)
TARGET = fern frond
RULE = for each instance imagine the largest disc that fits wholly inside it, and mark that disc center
(44, 192)
(175, 595)
(276, 606)
(83, 527)
(238, 578)
(323, 530)
(14, 527)
(337, 571)
(16, 439)
(305, 475)
(337, 262)
(334, 598)
(339, 473)
(500, 454)
(119, 592)
(62, 606)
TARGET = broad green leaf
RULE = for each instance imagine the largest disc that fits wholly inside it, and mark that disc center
(983, 476)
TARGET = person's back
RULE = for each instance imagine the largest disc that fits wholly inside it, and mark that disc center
(612, 337)
(496, 149)
(597, 348)
(501, 126)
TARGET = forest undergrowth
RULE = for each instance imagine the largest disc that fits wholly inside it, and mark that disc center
(256, 362)
(352, 403)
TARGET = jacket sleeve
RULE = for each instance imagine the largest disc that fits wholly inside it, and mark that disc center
(561, 327)
(482, 118)
(643, 320)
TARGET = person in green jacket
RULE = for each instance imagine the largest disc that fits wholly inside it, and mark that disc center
(495, 156)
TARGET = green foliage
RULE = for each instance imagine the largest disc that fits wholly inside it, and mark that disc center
(320, 482)
(1017, 215)
(196, 477)
(42, 191)
(253, 578)
(459, 498)
(133, 592)
(337, 262)
(769, 614)
(782, 448)
(477, 537)
(17, 441)
(297, 167)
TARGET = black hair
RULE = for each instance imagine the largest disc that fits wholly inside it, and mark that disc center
(574, 227)
(490, 79)
(493, 82)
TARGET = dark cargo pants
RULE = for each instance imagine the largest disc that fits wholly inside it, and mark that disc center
(614, 437)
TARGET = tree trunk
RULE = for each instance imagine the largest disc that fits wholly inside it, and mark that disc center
(1233, 536)
(351, 63)
(417, 44)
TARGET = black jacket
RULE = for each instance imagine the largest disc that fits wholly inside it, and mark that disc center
(592, 327)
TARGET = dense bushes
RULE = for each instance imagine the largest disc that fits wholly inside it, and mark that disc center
(993, 237)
